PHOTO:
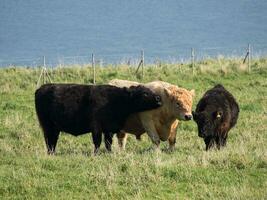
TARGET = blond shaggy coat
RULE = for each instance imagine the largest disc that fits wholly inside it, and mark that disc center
(160, 124)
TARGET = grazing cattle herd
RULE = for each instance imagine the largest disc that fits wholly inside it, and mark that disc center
(122, 107)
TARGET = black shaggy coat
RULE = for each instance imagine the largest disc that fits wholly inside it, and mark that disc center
(216, 113)
(79, 109)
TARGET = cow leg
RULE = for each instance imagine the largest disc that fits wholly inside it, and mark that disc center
(138, 137)
(218, 142)
(51, 141)
(172, 142)
(108, 140)
(50, 132)
(221, 142)
(50, 135)
(97, 138)
(153, 134)
(224, 141)
(122, 139)
(209, 141)
(149, 126)
(172, 137)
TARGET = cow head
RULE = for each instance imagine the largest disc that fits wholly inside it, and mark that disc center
(144, 98)
(181, 102)
(208, 121)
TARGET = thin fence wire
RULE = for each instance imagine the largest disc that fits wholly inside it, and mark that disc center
(133, 59)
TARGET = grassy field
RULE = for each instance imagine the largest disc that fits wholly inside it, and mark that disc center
(239, 171)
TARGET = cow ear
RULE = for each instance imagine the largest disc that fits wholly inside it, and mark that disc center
(167, 92)
(131, 87)
(218, 114)
(192, 93)
(128, 90)
(137, 87)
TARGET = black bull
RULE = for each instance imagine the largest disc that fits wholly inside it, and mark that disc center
(216, 113)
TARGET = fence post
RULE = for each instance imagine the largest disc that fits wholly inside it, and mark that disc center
(249, 57)
(143, 62)
(93, 65)
(193, 59)
(44, 76)
(43, 61)
(44, 70)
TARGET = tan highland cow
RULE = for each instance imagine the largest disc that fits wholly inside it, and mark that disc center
(160, 124)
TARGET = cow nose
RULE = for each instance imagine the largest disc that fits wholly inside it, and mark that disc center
(201, 135)
(188, 117)
(158, 98)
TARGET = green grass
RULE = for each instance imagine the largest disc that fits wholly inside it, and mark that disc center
(237, 172)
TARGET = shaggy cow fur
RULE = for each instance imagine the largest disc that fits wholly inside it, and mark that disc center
(160, 124)
(216, 113)
(79, 109)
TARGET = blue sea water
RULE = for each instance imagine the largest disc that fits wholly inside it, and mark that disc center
(119, 29)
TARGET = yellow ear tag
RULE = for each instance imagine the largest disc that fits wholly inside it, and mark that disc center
(218, 115)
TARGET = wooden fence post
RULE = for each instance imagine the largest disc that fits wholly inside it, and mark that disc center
(193, 59)
(249, 58)
(42, 71)
(44, 76)
(143, 62)
(44, 61)
(93, 66)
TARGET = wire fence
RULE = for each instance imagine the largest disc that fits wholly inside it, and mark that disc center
(133, 58)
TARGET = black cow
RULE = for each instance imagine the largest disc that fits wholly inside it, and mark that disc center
(216, 113)
(79, 109)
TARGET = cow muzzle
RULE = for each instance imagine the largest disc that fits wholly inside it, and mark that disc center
(188, 117)
(158, 99)
(201, 135)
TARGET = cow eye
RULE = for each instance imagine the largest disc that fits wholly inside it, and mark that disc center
(178, 104)
(145, 94)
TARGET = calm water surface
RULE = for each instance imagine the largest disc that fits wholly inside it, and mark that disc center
(118, 29)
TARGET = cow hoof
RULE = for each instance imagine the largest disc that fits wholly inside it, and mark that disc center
(171, 149)
(51, 153)
(96, 151)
